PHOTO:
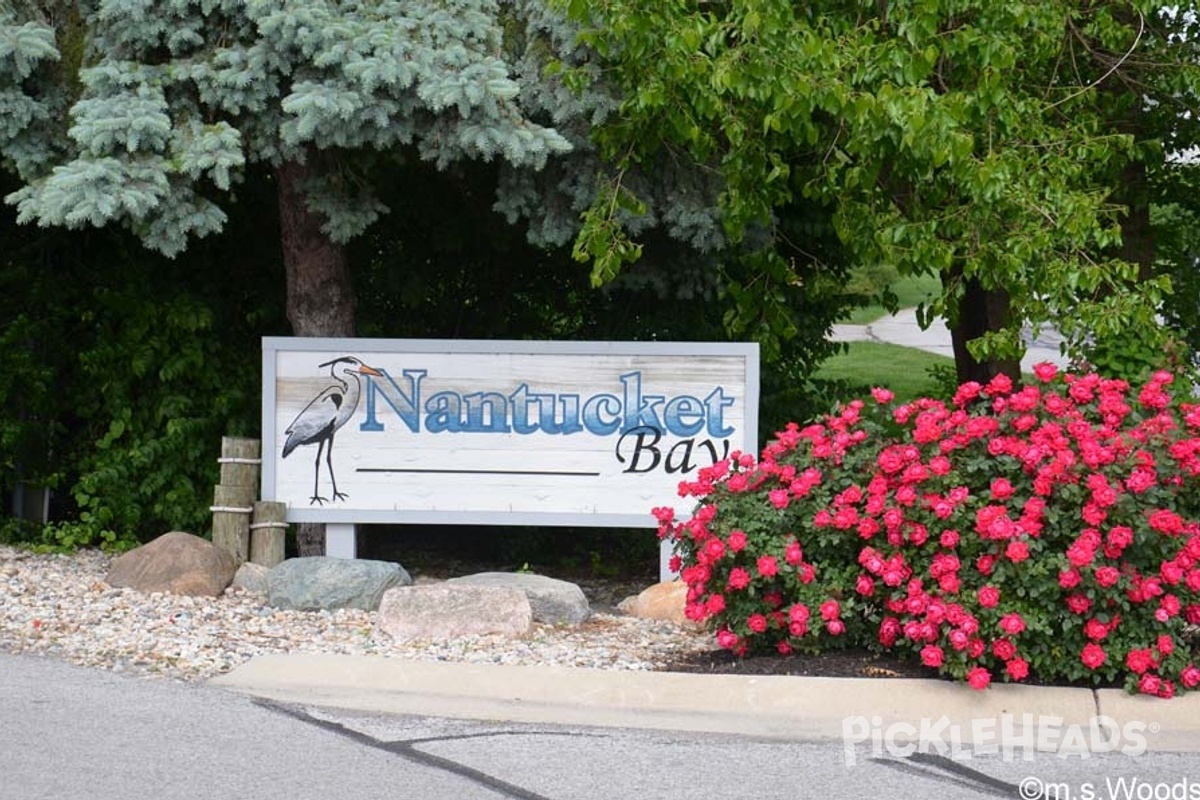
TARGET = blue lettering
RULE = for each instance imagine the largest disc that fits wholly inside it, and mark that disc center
(443, 412)
(678, 410)
(405, 405)
(546, 422)
(520, 409)
(526, 412)
(717, 402)
(487, 412)
(570, 413)
(639, 411)
(592, 411)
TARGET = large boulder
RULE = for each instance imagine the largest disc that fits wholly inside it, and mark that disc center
(661, 601)
(447, 611)
(322, 583)
(552, 600)
(175, 562)
(251, 577)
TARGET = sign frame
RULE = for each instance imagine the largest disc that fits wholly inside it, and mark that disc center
(272, 347)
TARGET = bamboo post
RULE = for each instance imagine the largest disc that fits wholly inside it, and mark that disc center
(267, 533)
(231, 519)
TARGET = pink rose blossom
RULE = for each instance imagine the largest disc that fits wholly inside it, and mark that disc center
(1095, 629)
(1140, 661)
(1045, 371)
(979, 678)
(1017, 669)
(1069, 579)
(1078, 604)
(1017, 551)
(932, 656)
(1093, 655)
(798, 613)
(989, 596)
(1106, 575)
(739, 578)
(727, 639)
(1004, 649)
(1190, 677)
(1002, 489)
(714, 548)
(830, 610)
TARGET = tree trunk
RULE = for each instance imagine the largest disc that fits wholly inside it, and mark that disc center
(1137, 237)
(320, 294)
(980, 310)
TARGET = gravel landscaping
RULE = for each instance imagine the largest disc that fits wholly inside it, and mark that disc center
(60, 606)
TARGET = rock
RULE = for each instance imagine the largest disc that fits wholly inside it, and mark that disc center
(660, 601)
(447, 611)
(323, 583)
(175, 562)
(552, 600)
(251, 578)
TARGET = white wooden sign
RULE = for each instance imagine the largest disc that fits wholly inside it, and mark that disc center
(498, 432)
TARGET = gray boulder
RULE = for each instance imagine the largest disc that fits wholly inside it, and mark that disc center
(322, 583)
(553, 601)
(251, 577)
(176, 562)
(447, 611)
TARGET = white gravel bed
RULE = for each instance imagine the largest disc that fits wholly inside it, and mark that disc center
(59, 605)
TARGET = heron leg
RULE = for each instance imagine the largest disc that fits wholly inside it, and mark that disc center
(329, 461)
(316, 495)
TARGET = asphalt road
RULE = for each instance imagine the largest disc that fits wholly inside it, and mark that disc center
(70, 732)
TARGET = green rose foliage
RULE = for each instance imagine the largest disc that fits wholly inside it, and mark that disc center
(1049, 534)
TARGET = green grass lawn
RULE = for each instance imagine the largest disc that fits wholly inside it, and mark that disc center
(904, 370)
(911, 291)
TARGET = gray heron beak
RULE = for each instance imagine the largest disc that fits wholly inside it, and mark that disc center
(363, 369)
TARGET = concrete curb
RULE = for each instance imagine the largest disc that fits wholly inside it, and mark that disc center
(1171, 725)
(778, 707)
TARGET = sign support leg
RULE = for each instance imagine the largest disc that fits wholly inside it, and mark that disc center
(665, 551)
(340, 540)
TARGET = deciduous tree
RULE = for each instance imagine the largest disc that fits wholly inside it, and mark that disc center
(992, 144)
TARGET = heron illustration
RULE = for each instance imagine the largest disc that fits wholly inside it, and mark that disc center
(328, 412)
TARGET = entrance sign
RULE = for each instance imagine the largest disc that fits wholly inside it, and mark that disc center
(498, 432)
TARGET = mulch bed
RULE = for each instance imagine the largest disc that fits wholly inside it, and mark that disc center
(834, 664)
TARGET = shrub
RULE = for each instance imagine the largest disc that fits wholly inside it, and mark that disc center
(1048, 533)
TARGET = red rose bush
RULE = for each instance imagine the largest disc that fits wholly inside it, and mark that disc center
(1048, 533)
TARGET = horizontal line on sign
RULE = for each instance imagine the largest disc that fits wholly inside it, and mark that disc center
(481, 471)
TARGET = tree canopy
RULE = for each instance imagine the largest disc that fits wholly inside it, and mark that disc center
(1005, 147)
(174, 99)
(719, 165)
